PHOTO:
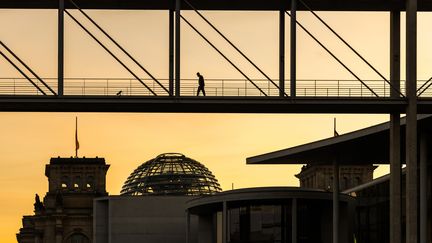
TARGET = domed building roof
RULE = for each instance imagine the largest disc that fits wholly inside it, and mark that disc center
(171, 174)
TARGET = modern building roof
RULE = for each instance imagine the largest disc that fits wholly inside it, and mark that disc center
(171, 174)
(366, 146)
(259, 195)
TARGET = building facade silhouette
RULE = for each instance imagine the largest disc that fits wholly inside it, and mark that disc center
(321, 176)
(65, 213)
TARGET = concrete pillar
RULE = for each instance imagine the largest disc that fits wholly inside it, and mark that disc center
(411, 123)
(395, 160)
(423, 187)
(294, 221)
(224, 223)
(188, 221)
(59, 237)
(38, 238)
(335, 201)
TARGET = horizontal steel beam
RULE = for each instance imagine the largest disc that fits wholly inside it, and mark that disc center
(204, 104)
(273, 5)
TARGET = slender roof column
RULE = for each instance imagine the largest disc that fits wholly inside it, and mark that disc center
(224, 222)
(335, 201)
(424, 144)
(395, 146)
(294, 221)
(411, 123)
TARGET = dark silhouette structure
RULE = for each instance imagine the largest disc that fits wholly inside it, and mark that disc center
(65, 215)
(393, 100)
(201, 84)
(321, 176)
(269, 215)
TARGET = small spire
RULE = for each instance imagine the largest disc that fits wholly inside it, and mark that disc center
(335, 133)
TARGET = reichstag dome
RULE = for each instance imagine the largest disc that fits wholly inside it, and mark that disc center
(171, 174)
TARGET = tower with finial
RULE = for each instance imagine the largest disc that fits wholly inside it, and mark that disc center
(66, 212)
(321, 176)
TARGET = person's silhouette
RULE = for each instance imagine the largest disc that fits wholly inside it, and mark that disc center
(200, 84)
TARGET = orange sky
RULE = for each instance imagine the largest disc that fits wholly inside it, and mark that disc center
(220, 141)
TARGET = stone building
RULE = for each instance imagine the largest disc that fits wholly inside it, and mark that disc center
(65, 214)
(321, 176)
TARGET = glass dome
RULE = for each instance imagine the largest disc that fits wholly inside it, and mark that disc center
(171, 174)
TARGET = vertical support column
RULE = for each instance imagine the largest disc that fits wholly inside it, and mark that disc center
(224, 222)
(59, 238)
(395, 160)
(187, 226)
(294, 221)
(59, 234)
(293, 56)
(335, 201)
(423, 187)
(60, 49)
(282, 52)
(171, 52)
(177, 48)
(38, 238)
(411, 123)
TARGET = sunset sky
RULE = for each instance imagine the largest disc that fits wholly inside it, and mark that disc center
(220, 141)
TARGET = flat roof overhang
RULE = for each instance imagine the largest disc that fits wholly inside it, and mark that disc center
(257, 196)
(366, 146)
(241, 5)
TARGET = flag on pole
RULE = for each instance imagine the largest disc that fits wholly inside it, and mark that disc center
(335, 133)
(76, 137)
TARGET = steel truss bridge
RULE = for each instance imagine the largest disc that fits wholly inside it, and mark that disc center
(393, 95)
(176, 94)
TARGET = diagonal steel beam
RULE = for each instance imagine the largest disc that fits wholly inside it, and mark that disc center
(426, 88)
(333, 55)
(235, 47)
(119, 46)
(351, 48)
(25, 75)
(27, 67)
(427, 84)
(107, 50)
(225, 57)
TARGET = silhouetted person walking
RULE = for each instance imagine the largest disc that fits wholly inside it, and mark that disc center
(200, 84)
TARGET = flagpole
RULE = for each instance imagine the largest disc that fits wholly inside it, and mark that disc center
(76, 137)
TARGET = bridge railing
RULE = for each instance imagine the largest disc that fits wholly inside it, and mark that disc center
(213, 87)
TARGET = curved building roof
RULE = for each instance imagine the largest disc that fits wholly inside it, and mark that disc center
(260, 195)
(171, 174)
